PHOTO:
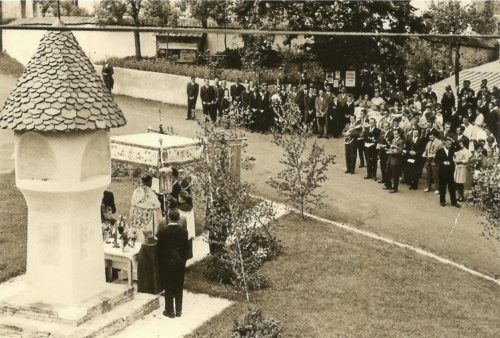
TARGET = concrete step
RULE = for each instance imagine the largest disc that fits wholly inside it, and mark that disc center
(21, 305)
(102, 326)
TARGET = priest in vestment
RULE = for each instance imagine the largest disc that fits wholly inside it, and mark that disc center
(145, 210)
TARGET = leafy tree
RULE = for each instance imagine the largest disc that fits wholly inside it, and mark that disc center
(355, 16)
(67, 7)
(219, 11)
(455, 17)
(239, 239)
(304, 171)
(483, 17)
(114, 12)
(161, 12)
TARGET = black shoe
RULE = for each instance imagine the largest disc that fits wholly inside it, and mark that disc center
(374, 178)
(386, 188)
(392, 191)
(442, 204)
(352, 172)
(168, 314)
(178, 314)
(367, 177)
(456, 205)
(346, 172)
(381, 181)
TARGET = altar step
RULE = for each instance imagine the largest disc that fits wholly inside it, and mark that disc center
(21, 305)
(103, 325)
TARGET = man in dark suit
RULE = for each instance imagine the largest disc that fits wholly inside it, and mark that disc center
(245, 97)
(255, 104)
(219, 95)
(448, 104)
(192, 96)
(235, 91)
(208, 99)
(265, 110)
(172, 255)
(299, 99)
(414, 147)
(371, 138)
(310, 107)
(446, 169)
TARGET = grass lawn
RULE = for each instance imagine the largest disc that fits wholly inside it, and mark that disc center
(12, 229)
(10, 66)
(329, 283)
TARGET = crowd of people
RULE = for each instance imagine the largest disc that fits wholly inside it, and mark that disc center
(395, 125)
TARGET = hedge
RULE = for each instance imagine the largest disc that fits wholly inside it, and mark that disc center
(199, 71)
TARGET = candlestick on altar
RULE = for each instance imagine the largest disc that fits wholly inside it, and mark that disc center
(115, 244)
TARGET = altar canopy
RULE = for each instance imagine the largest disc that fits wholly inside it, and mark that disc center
(155, 150)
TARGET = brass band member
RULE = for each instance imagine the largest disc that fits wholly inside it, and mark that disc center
(351, 133)
(394, 153)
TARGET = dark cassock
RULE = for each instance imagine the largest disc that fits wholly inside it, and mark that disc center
(148, 268)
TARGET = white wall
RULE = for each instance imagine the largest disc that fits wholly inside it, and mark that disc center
(152, 86)
(21, 45)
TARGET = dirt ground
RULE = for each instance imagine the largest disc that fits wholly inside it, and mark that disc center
(411, 217)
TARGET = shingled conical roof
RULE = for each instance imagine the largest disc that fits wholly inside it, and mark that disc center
(60, 91)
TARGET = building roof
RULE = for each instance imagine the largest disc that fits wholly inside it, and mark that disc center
(60, 90)
(49, 20)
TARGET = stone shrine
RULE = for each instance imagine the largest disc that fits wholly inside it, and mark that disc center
(61, 113)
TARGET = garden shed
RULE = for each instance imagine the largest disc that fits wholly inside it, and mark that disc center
(179, 47)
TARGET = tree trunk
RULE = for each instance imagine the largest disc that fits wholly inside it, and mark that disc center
(135, 11)
(1, 22)
(243, 274)
(23, 9)
(225, 39)
(457, 66)
(137, 41)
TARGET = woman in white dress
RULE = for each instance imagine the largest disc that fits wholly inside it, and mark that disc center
(461, 159)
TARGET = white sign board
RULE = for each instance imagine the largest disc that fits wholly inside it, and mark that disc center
(350, 78)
